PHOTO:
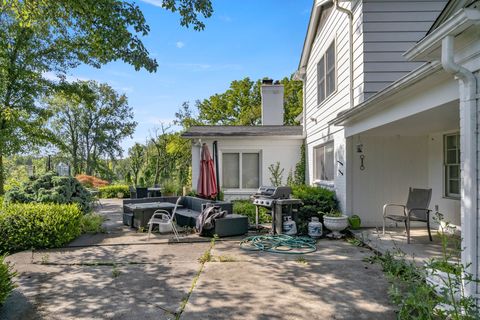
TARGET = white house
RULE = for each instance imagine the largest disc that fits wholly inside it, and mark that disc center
(391, 100)
(246, 152)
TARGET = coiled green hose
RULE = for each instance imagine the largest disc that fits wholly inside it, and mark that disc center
(279, 244)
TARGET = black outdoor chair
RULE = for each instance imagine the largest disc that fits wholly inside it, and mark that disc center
(142, 192)
(416, 209)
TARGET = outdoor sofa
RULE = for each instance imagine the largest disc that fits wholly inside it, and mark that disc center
(190, 209)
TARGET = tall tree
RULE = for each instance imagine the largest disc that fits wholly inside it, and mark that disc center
(241, 104)
(52, 36)
(136, 155)
(89, 121)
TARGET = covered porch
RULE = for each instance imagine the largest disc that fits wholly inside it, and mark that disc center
(420, 151)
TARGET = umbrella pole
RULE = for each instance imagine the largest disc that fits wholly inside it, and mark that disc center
(215, 158)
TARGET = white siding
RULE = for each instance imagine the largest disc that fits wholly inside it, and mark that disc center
(389, 29)
(271, 149)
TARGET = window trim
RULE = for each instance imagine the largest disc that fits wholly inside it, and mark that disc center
(335, 69)
(240, 168)
(445, 178)
(329, 183)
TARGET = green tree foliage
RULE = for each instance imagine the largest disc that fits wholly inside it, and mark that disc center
(90, 120)
(48, 36)
(241, 105)
(136, 155)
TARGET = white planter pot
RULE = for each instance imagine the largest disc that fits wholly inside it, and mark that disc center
(335, 224)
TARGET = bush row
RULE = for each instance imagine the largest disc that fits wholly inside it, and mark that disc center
(315, 201)
(112, 191)
(247, 208)
(6, 280)
(35, 226)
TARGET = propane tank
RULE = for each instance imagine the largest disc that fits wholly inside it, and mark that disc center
(315, 228)
(289, 226)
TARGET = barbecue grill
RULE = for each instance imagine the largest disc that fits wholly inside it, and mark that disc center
(279, 201)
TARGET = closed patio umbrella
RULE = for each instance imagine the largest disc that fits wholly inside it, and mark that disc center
(207, 185)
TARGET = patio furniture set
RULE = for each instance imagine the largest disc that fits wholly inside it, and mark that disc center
(180, 211)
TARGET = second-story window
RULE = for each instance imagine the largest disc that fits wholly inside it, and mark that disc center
(326, 76)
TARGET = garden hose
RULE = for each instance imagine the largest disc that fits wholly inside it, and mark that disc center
(279, 244)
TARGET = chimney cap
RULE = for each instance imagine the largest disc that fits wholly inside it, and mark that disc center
(267, 81)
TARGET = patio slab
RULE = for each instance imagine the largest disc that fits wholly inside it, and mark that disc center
(119, 275)
(322, 285)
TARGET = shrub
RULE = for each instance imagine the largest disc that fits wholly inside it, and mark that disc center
(28, 226)
(6, 280)
(246, 208)
(51, 188)
(91, 181)
(92, 223)
(315, 201)
(112, 191)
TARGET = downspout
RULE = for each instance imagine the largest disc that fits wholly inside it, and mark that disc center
(350, 34)
(469, 146)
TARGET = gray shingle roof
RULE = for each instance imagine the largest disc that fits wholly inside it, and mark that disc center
(239, 131)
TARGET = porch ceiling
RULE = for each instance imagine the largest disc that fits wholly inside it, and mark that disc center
(440, 119)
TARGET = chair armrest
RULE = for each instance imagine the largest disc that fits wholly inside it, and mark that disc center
(392, 205)
(418, 209)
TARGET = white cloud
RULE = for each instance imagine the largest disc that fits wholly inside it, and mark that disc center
(203, 66)
(180, 44)
(225, 18)
(157, 3)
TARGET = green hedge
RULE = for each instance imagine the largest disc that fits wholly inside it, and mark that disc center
(6, 280)
(109, 192)
(315, 201)
(29, 226)
(246, 208)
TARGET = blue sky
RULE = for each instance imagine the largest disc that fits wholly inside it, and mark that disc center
(243, 38)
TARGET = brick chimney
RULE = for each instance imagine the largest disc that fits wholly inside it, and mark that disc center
(272, 103)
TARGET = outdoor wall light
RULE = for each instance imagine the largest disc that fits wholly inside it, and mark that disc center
(359, 148)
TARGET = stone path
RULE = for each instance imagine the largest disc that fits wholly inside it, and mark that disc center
(119, 275)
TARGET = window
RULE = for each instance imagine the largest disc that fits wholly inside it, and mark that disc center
(326, 77)
(240, 170)
(452, 165)
(323, 167)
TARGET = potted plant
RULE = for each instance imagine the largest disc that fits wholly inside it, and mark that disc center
(335, 221)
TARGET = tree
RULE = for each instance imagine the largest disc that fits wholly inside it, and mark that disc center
(241, 104)
(90, 120)
(136, 154)
(49, 36)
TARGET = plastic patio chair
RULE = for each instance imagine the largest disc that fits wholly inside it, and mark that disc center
(163, 218)
(416, 209)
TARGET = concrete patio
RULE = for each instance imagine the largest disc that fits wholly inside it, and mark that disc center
(420, 249)
(119, 275)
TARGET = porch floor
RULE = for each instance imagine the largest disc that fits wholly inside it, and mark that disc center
(419, 250)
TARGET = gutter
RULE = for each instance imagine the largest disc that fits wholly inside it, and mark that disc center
(455, 25)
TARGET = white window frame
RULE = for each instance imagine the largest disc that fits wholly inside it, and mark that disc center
(315, 169)
(447, 166)
(240, 168)
(323, 77)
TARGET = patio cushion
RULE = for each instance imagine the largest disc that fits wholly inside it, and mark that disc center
(186, 217)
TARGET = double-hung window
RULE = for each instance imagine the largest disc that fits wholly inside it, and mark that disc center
(323, 167)
(240, 170)
(451, 145)
(326, 75)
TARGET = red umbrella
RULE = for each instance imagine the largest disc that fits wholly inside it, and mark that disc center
(207, 184)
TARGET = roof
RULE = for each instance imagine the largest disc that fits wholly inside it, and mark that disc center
(450, 8)
(311, 32)
(242, 131)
